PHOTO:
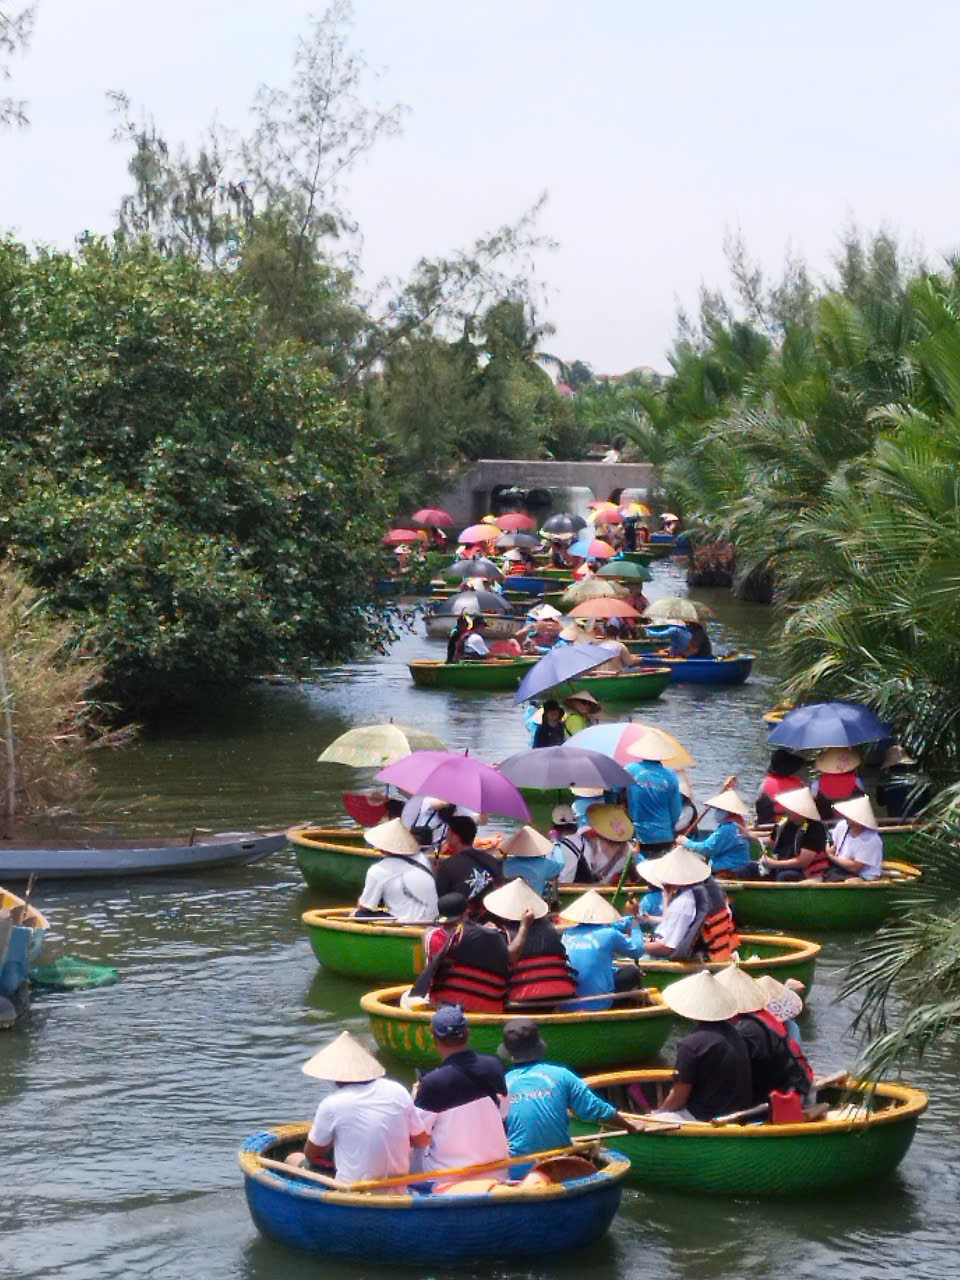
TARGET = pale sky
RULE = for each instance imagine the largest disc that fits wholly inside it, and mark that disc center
(653, 127)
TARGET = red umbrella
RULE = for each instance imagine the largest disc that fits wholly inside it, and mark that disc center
(480, 533)
(595, 549)
(605, 502)
(514, 521)
(605, 515)
(395, 536)
(604, 607)
(436, 517)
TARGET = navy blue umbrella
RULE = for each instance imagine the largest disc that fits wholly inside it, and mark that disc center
(559, 665)
(828, 724)
(549, 767)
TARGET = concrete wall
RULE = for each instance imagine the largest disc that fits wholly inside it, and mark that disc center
(471, 498)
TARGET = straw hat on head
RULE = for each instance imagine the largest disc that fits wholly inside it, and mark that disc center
(514, 554)
(546, 613)
(392, 837)
(729, 802)
(586, 792)
(590, 908)
(562, 815)
(573, 631)
(527, 843)
(345, 1061)
(799, 802)
(778, 999)
(586, 699)
(512, 899)
(745, 990)
(701, 998)
(679, 867)
(610, 821)
(651, 746)
(837, 760)
(858, 809)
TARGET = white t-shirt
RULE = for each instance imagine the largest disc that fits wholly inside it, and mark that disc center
(370, 1126)
(469, 1134)
(570, 861)
(605, 862)
(407, 892)
(677, 919)
(867, 847)
(475, 644)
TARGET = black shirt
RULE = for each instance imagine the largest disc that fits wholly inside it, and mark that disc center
(792, 836)
(471, 872)
(772, 1064)
(550, 735)
(714, 1059)
(464, 1077)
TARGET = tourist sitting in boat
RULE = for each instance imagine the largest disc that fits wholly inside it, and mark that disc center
(697, 920)
(901, 787)
(855, 848)
(777, 1063)
(570, 844)
(467, 963)
(597, 935)
(784, 773)
(550, 731)
(798, 846)
(531, 856)
(471, 646)
(670, 521)
(699, 646)
(463, 1102)
(427, 818)
(543, 1095)
(542, 629)
(582, 712)
(713, 1073)
(518, 563)
(458, 633)
(654, 801)
(784, 1000)
(402, 880)
(609, 832)
(727, 848)
(368, 1122)
(837, 778)
(466, 869)
(539, 972)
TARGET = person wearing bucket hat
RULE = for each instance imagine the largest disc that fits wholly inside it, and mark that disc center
(582, 710)
(777, 1062)
(837, 778)
(609, 831)
(402, 880)
(855, 848)
(533, 858)
(368, 1121)
(595, 936)
(697, 918)
(727, 848)
(712, 1067)
(798, 845)
(539, 972)
(654, 800)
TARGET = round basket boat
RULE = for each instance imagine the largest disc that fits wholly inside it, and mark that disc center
(864, 1137)
(630, 686)
(897, 836)
(576, 1039)
(387, 1228)
(732, 669)
(334, 859)
(492, 675)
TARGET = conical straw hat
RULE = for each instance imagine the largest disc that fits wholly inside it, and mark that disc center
(345, 1060)
(511, 900)
(837, 760)
(610, 821)
(392, 837)
(527, 843)
(700, 998)
(858, 809)
(651, 746)
(585, 792)
(745, 990)
(679, 867)
(780, 1000)
(590, 908)
(573, 631)
(729, 802)
(800, 802)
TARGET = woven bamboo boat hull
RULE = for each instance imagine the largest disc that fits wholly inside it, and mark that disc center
(632, 686)
(333, 859)
(778, 955)
(425, 1230)
(768, 1159)
(862, 904)
(491, 676)
(725, 671)
(897, 837)
(20, 944)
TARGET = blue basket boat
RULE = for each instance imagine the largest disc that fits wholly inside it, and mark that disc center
(19, 943)
(733, 669)
(425, 1230)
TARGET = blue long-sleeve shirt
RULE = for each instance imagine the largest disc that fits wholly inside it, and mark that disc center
(654, 802)
(537, 872)
(592, 950)
(727, 848)
(541, 1095)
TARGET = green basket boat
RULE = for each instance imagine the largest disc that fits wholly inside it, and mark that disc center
(814, 905)
(334, 859)
(394, 952)
(630, 686)
(897, 837)
(863, 1138)
(490, 676)
(578, 1039)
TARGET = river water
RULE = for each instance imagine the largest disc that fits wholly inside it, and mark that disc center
(122, 1108)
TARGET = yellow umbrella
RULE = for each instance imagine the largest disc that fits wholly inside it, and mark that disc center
(377, 745)
(635, 509)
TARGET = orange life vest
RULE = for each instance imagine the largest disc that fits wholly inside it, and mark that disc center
(718, 934)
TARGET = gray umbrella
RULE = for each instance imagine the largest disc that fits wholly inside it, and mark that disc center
(554, 767)
(480, 567)
(474, 602)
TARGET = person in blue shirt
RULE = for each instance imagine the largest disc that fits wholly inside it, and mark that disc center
(543, 1094)
(596, 937)
(674, 635)
(531, 856)
(654, 801)
(727, 848)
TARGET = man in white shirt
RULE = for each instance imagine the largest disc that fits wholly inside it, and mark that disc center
(402, 880)
(855, 847)
(474, 646)
(369, 1122)
(676, 873)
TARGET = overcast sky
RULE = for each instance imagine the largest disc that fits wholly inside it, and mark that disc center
(653, 127)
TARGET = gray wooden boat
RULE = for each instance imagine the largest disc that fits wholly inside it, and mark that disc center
(99, 858)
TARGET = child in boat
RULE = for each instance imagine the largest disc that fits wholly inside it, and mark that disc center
(531, 856)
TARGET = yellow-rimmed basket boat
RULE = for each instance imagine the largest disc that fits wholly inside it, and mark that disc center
(333, 859)
(864, 1137)
(576, 1039)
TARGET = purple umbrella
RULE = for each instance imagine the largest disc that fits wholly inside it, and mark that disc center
(559, 665)
(458, 779)
(549, 767)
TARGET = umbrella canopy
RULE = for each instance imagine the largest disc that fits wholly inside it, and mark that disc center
(458, 779)
(508, 541)
(604, 608)
(550, 767)
(592, 549)
(592, 589)
(564, 522)
(828, 724)
(635, 509)
(625, 569)
(560, 665)
(606, 515)
(515, 521)
(479, 567)
(436, 517)
(379, 745)
(474, 602)
(599, 503)
(615, 739)
(393, 537)
(479, 533)
(678, 608)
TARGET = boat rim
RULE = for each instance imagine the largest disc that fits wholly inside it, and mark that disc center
(377, 1002)
(35, 919)
(905, 873)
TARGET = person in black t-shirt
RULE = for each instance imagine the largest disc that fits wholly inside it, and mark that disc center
(551, 732)
(466, 870)
(799, 842)
(713, 1073)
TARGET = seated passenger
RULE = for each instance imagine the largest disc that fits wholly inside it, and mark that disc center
(596, 936)
(582, 710)
(697, 919)
(798, 846)
(776, 1061)
(727, 848)
(699, 646)
(539, 972)
(784, 773)
(609, 833)
(402, 880)
(713, 1074)
(531, 856)
(465, 869)
(471, 646)
(467, 963)
(855, 848)
(570, 844)
(837, 778)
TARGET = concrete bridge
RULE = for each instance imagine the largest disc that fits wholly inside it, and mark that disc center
(546, 485)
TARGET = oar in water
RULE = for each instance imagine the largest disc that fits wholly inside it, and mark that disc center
(839, 1077)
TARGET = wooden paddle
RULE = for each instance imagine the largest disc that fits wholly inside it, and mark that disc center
(633, 993)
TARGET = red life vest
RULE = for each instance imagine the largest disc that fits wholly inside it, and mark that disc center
(837, 786)
(779, 1029)
(543, 972)
(718, 934)
(472, 970)
(814, 869)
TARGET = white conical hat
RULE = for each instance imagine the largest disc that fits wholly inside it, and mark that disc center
(392, 837)
(585, 792)
(574, 631)
(729, 802)
(651, 746)
(780, 1000)
(837, 760)
(527, 843)
(745, 990)
(345, 1060)
(799, 801)
(545, 613)
(511, 900)
(700, 998)
(590, 908)
(858, 809)
(679, 867)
